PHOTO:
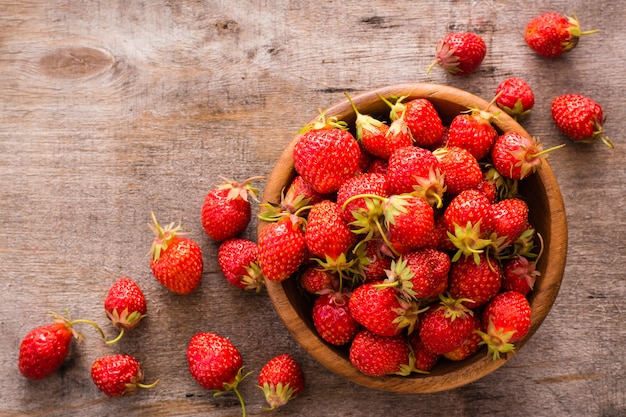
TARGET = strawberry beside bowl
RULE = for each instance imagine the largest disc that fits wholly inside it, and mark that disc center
(546, 214)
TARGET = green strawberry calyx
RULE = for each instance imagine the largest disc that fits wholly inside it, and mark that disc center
(242, 189)
(233, 386)
(123, 321)
(69, 324)
(324, 122)
(363, 121)
(163, 236)
(497, 340)
(575, 33)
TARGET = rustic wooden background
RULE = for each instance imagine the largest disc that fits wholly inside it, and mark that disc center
(111, 109)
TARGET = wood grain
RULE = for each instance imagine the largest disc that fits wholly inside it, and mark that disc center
(109, 110)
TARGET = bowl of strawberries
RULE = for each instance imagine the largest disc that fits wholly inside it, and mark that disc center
(412, 237)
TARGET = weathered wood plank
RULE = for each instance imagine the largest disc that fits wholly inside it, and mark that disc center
(109, 110)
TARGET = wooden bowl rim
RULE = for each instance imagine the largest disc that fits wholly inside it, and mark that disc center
(473, 368)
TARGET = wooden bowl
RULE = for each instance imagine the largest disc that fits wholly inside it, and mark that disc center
(547, 214)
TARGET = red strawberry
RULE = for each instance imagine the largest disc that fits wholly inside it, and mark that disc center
(398, 136)
(376, 355)
(282, 248)
(226, 209)
(580, 118)
(429, 272)
(299, 194)
(117, 375)
(378, 166)
(515, 97)
(326, 155)
(517, 156)
(281, 379)
(425, 360)
(361, 184)
(410, 220)
(446, 325)
(176, 261)
(326, 233)
(473, 131)
(552, 34)
(468, 220)
(216, 364)
(413, 169)
(476, 282)
(519, 274)
(239, 261)
(424, 122)
(509, 218)
(469, 346)
(125, 305)
(332, 319)
(506, 320)
(370, 133)
(381, 309)
(459, 53)
(44, 349)
(316, 280)
(372, 262)
(460, 169)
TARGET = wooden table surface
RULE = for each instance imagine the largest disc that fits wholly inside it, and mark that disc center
(109, 110)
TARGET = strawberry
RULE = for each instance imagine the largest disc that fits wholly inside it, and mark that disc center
(476, 282)
(469, 345)
(44, 349)
(376, 355)
(425, 360)
(398, 136)
(509, 218)
(410, 220)
(580, 118)
(429, 269)
(176, 261)
(216, 364)
(226, 210)
(281, 379)
(468, 221)
(370, 132)
(552, 34)
(282, 248)
(515, 97)
(382, 309)
(519, 274)
(238, 261)
(326, 233)
(125, 306)
(446, 325)
(424, 122)
(517, 156)
(506, 320)
(332, 319)
(117, 375)
(316, 280)
(366, 183)
(372, 262)
(415, 169)
(378, 166)
(459, 53)
(473, 131)
(326, 154)
(460, 169)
